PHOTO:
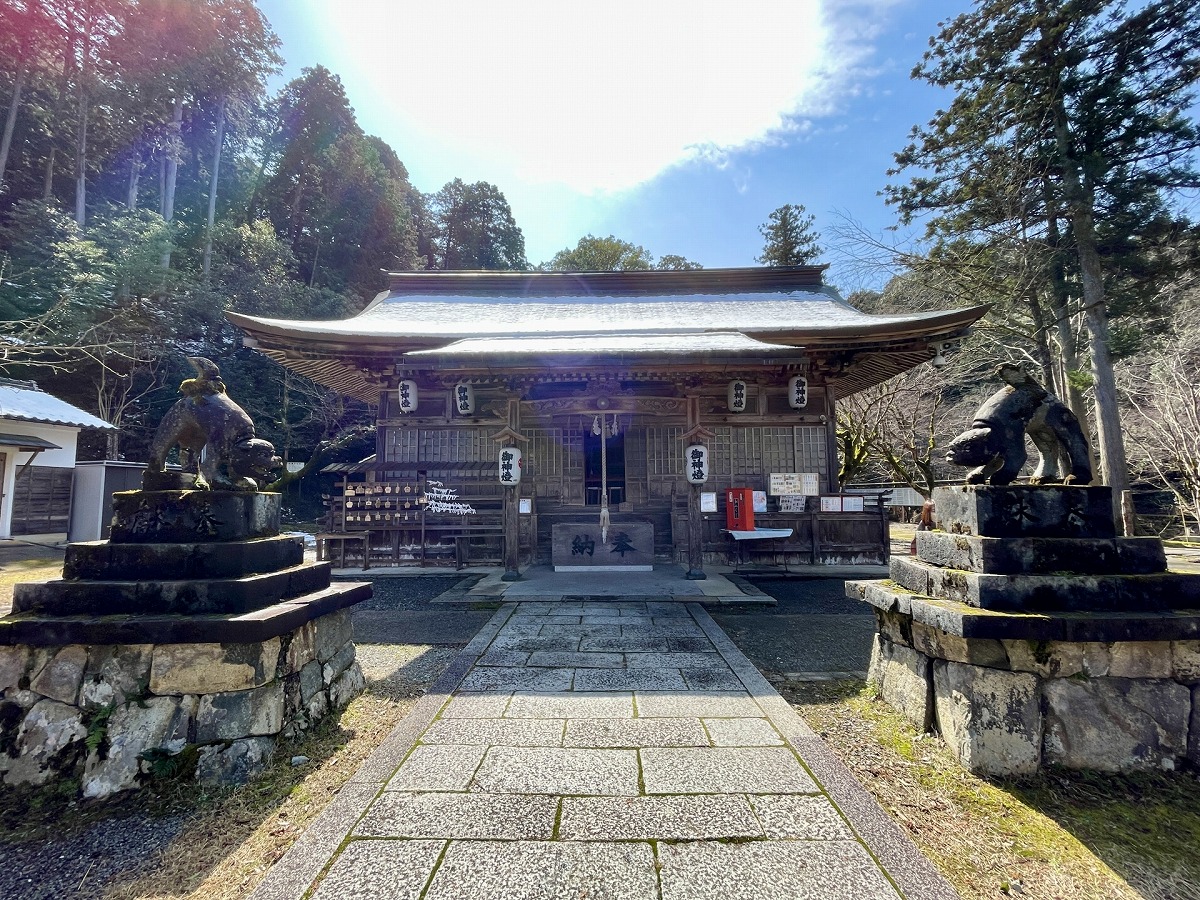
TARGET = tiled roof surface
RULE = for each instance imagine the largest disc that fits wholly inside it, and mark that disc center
(31, 404)
(407, 315)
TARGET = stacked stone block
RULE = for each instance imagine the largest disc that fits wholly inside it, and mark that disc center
(192, 641)
(1028, 635)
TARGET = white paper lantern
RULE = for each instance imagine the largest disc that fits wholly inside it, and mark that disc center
(408, 396)
(736, 396)
(464, 399)
(696, 464)
(798, 392)
(510, 466)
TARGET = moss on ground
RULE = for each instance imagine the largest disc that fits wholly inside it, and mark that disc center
(1083, 835)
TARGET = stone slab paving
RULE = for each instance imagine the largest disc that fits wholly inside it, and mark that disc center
(603, 749)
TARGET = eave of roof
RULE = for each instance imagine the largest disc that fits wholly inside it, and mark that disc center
(26, 404)
(27, 443)
(667, 344)
(425, 323)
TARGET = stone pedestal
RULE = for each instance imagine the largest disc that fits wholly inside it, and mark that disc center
(192, 641)
(1028, 635)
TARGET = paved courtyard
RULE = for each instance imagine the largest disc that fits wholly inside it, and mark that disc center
(602, 748)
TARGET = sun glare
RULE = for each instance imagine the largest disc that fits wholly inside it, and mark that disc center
(597, 97)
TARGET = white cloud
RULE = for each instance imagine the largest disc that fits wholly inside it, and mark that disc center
(596, 96)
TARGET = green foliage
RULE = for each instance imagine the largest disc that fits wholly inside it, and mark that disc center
(674, 262)
(606, 254)
(611, 254)
(108, 283)
(167, 766)
(97, 728)
(789, 237)
(49, 268)
(473, 228)
(1049, 95)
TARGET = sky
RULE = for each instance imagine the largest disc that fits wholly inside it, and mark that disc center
(675, 124)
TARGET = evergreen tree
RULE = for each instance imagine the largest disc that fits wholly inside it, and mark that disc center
(474, 228)
(1065, 113)
(789, 237)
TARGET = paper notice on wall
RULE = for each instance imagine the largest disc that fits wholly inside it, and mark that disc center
(708, 501)
(852, 504)
(831, 504)
(760, 501)
(792, 503)
(780, 483)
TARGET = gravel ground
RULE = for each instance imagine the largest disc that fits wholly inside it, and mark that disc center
(812, 630)
(80, 865)
(401, 613)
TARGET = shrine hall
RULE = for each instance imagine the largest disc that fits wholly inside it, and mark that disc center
(606, 420)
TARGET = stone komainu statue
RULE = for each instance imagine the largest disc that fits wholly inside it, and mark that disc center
(995, 441)
(217, 446)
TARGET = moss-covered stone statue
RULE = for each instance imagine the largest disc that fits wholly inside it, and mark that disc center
(995, 442)
(217, 447)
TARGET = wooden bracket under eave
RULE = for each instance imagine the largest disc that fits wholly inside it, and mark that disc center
(507, 435)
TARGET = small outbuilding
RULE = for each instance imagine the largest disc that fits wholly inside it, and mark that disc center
(38, 436)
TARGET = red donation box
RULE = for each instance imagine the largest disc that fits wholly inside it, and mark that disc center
(739, 509)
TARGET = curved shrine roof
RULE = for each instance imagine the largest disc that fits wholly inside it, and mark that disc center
(449, 318)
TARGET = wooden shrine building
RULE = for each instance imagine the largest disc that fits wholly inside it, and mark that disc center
(595, 389)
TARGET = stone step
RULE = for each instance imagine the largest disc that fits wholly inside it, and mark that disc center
(1037, 593)
(192, 597)
(1020, 510)
(155, 628)
(104, 561)
(155, 517)
(960, 620)
(1042, 555)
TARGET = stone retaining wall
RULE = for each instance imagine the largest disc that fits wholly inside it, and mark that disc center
(1028, 634)
(1013, 706)
(110, 716)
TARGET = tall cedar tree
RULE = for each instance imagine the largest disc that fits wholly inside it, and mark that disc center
(790, 238)
(1074, 108)
(475, 229)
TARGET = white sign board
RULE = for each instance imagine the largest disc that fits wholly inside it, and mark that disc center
(793, 503)
(831, 504)
(807, 483)
(760, 501)
(852, 504)
(708, 501)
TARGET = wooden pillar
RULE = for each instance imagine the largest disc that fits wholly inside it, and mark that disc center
(831, 444)
(512, 534)
(695, 546)
(695, 551)
(512, 494)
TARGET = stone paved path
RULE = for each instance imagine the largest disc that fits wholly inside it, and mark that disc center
(603, 749)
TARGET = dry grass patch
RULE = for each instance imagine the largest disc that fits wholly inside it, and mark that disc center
(1068, 835)
(18, 571)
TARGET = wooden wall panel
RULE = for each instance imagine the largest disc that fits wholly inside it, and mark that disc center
(41, 500)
